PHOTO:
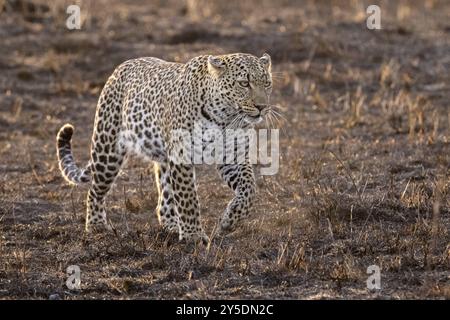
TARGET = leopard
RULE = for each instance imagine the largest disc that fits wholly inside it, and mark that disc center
(141, 104)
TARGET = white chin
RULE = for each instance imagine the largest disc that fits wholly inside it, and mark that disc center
(252, 120)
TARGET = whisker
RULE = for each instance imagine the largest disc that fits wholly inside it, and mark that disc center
(272, 125)
(275, 107)
(275, 121)
(236, 121)
(241, 122)
(266, 120)
(233, 122)
(278, 114)
(276, 117)
(281, 120)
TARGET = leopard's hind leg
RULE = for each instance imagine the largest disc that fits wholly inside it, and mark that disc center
(106, 165)
(107, 155)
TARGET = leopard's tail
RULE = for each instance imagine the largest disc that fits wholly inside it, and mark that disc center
(70, 171)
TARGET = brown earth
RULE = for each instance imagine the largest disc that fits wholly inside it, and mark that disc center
(364, 169)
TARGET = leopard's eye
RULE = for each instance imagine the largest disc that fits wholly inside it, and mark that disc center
(244, 83)
(268, 84)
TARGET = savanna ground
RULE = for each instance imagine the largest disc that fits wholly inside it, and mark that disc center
(364, 167)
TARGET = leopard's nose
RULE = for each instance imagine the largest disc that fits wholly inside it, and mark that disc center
(261, 107)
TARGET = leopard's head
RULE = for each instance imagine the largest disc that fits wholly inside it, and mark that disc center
(240, 88)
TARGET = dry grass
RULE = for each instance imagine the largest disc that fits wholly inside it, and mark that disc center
(364, 173)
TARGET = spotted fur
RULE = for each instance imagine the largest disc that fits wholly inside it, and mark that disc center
(139, 108)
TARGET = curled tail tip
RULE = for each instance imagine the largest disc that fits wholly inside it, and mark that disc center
(70, 171)
(66, 130)
(64, 134)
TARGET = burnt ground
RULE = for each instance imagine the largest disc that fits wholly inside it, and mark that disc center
(364, 167)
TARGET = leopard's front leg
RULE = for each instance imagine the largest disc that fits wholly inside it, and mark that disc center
(184, 192)
(167, 216)
(241, 180)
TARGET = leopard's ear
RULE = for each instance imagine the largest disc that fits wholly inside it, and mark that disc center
(216, 66)
(266, 61)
